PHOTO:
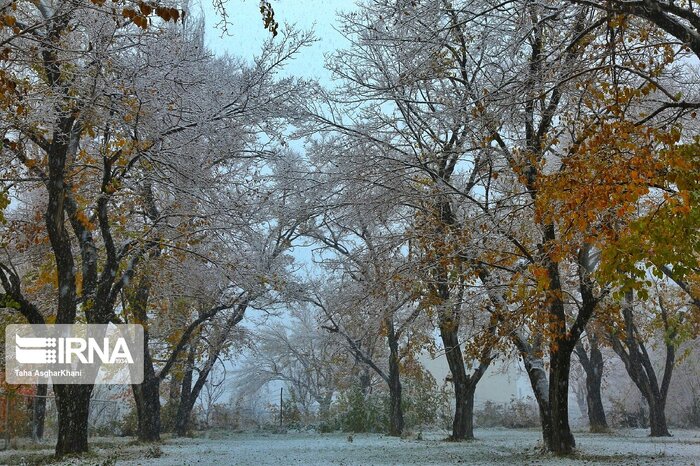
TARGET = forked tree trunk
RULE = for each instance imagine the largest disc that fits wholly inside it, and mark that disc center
(73, 404)
(188, 397)
(449, 320)
(189, 392)
(464, 384)
(563, 339)
(593, 367)
(635, 357)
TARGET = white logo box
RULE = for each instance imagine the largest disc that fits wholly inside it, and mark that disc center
(74, 354)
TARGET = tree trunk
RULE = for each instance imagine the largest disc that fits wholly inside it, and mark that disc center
(39, 411)
(147, 393)
(561, 440)
(596, 412)
(396, 412)
(631, 349)
(189, 393)
(580, 392)
(657, 418)
(468, 416)
(147, 397)
(593, 366)
(365, 379)
(460, 382)
(173, 389)
(73, 404)
(184, 408)
(183, 417)
(534, 367)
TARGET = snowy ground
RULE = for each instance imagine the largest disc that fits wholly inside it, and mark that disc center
(492, 447)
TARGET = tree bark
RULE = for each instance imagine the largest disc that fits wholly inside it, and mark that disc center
(147, 393)
(593, 367)
(460, 382)
(173, 389)
(189, 393)
(73, 403)
(182, 418)
(464, 384)
(147, 398)
(39, 411)
(657, 417)
(534, 367)
(561, 441)
(631, 349)
(184, 408)
(396, 422)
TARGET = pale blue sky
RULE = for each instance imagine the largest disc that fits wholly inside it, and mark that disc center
(246, 34)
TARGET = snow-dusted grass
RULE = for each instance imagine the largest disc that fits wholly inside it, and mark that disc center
(492, 447)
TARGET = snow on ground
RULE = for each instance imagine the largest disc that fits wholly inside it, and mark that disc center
(492, 447)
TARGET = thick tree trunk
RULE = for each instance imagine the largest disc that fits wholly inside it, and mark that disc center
(561, 440)
(39, 411)
(464, 384)
(563, 339)
(461, 421)
(468, 407)
(73, 404)
(654, 398)
(147, 397)
(396, 410)
(657, 418)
